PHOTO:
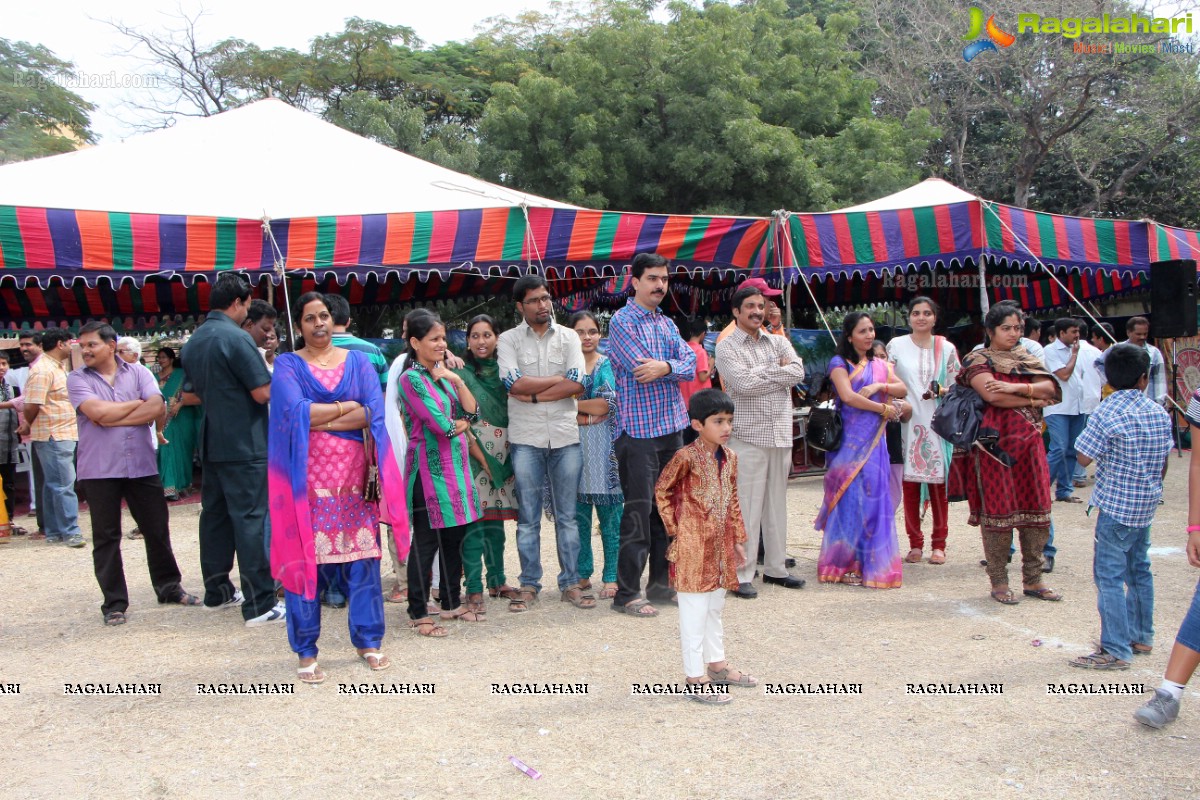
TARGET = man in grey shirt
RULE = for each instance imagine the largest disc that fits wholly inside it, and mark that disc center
(541, 364)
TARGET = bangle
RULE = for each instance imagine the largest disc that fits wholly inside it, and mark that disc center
(533, 398)
(1030, 387)
(339, 405)
(1193, 528)
(329, 425)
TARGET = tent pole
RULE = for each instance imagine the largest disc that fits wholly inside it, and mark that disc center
(983, 295)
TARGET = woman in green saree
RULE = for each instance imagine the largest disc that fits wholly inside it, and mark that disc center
(177, 439)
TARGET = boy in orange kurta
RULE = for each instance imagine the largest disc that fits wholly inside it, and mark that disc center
(698, 501)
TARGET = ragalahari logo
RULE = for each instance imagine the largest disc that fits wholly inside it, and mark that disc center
(993, 31)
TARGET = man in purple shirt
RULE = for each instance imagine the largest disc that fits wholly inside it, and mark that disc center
(649, 360)
(116, 404)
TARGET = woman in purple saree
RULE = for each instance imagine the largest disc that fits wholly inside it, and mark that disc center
(857, 517)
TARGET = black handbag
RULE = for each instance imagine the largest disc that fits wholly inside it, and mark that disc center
(958, 416)
(824, 430)
(370, 485)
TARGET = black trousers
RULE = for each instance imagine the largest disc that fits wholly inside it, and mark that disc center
(39, 480)
(233, 514)
(145, 500)
(8, 481)
(643, 537)
(426, 543)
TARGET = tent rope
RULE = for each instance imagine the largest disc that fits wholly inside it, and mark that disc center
(1016, 237)
(279, 270)
(533, 248)
(784, 217)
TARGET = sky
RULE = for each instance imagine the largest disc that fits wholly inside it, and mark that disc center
(76, 31)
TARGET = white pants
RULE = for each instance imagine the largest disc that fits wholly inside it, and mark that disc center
(701, 635)
(762, 492)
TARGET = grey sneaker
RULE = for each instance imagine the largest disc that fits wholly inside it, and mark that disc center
(232, 602)
(1159, 711)
(74, 541)
(276, 614)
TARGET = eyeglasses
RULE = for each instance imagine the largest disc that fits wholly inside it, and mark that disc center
(544, 300)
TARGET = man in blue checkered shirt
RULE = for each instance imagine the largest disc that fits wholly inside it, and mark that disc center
(649, 361)
(1129, 438)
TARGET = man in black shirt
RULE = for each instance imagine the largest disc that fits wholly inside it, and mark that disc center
(225, 369)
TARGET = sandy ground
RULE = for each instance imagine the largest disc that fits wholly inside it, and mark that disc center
(940, 627)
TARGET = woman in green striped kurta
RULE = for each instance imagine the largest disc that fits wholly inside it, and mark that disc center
(438, 410)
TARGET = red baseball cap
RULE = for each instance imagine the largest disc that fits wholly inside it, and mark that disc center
(761, 285)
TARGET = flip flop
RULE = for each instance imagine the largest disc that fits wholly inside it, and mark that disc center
(1006, 597)
(380, 663)
(312, 674)
(634, 609)
(1045, 593)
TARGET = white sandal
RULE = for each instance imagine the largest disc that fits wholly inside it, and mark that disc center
(311, 674)
(381, 662)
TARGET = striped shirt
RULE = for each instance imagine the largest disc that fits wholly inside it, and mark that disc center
(47, 387)
(438, 463)
(1129, 437)
(648, 410)
(371, 351)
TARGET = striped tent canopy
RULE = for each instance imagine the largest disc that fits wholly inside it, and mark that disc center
(1023, 238)
(94, 247)
(936, 225)
(510, 241)
(1169, 244)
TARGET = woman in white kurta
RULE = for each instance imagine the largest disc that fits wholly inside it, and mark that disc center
(922, 359)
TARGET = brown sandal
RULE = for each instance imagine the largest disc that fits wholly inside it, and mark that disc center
(427, 627)
(937, 557)
(526, 596)
(913, 557)
(579, 598)
(609, 591)
(505, 591)
(396, 595)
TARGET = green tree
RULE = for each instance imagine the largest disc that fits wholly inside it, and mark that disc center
(1035, 123)
(724, 109)
(38, 116)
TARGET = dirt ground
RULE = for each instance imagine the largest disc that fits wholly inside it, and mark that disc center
(941, 627)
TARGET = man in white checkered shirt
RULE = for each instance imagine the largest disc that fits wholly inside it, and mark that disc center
(759, 370)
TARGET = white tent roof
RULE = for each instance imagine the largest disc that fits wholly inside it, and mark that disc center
(265, 158)
(929, 192)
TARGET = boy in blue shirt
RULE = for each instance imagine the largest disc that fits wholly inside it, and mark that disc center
(1129, 438)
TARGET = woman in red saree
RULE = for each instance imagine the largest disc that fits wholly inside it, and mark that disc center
(1004, 476)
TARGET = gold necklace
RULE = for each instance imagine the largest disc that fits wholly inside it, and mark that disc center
(321, 363)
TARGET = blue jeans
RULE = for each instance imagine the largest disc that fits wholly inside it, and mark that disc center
(1064, 430)
(533, 467)
(1124, 586)
(60, 506)
(1189, 629)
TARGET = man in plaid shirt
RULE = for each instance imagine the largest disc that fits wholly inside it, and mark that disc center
(649, 361)
(1129, 437)
(759, 371)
